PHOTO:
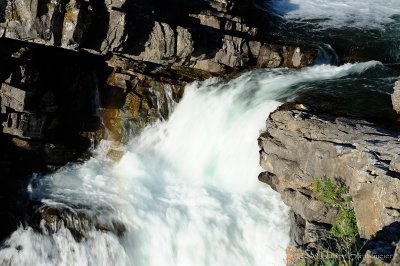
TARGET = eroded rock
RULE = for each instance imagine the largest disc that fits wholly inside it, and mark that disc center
(300, 147)
(79, 221)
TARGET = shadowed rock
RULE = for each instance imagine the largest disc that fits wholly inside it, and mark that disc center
(78, 220)
(210, 35)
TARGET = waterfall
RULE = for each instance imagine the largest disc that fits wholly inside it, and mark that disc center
(326, 55)
(95, 95)
(185, 192)
(169, 98)
(165, 101)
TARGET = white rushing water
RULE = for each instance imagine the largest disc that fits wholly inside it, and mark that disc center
(338, 13)
(186, 189)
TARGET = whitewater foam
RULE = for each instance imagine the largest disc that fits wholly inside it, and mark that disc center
(338, 13)
(186, 189)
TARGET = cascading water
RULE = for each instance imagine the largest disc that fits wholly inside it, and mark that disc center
(357, 30)
(338, 13)
(186, 190)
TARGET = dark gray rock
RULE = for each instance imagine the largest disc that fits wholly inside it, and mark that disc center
(297, 228)
(79, 221)
(25, 125)
(208, 35)
(309, 208)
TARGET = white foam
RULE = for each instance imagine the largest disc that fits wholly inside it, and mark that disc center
(338, 13)
(187, 188)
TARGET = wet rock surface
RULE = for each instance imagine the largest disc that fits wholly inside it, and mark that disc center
(79, 220)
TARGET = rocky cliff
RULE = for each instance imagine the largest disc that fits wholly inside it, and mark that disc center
(73, 72)
(301, 148)
(213, 35)
(95, 68)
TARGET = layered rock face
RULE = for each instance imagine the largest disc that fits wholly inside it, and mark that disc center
(47, 101)
(56, 103)
(105, 69)
(74, 72)
(300, 147)
(122, 63)
(213, 35)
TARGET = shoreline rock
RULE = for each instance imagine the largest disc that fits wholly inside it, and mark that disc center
(300, 147)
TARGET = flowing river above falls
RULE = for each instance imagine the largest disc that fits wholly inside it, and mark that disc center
(356, 30)
(186, 190)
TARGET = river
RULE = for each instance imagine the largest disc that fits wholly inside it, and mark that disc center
(186, 189)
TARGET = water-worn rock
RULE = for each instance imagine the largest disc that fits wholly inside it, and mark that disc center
(79, 221)
(300, 147)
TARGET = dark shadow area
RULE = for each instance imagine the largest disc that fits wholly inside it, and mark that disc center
(3, 5)
(83, 24)
(62, 95)
(43, 7)
(57, 22)
(384, 243)
(98, 27)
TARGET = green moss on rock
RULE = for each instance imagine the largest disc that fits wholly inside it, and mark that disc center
(189, 73)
